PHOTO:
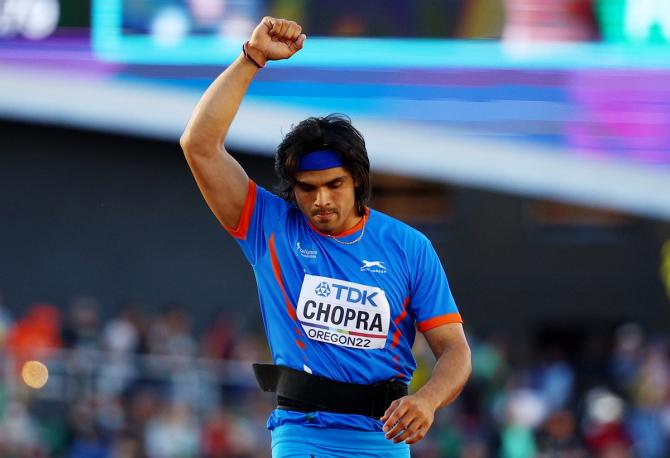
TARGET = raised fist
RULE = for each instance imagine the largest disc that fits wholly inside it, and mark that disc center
(275, 39)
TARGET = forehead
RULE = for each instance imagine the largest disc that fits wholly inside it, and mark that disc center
(320, 177)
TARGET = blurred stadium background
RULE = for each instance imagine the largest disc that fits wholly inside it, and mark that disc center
(529, 139)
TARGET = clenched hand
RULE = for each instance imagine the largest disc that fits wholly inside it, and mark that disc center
(408, 419)
(275, 39)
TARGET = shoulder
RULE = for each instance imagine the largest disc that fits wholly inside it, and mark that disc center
(399, 231)
(272, 211)
(270, 199)
(266, 193)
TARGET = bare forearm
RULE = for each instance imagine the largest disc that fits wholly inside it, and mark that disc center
(221, 179)
(214, 113)
(272, 39)
(409, 418)
(451, 372)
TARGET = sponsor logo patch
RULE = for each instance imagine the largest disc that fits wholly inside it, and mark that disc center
(343, 313)
(373, 266)
(305, 253)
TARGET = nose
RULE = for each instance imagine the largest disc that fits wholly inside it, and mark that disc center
(322, 197)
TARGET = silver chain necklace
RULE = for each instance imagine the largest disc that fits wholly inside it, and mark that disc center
(358, 239)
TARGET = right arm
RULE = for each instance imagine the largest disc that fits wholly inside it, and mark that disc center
(222, 181)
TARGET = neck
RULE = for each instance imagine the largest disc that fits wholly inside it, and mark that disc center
(354, 221)
(353, 224)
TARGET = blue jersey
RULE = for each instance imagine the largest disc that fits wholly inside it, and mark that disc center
(348, 312)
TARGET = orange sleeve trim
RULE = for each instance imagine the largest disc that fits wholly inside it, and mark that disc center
(240, 232)
(439, 321)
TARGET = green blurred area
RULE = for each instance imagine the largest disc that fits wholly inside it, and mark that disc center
(75, 13)
(611, 18)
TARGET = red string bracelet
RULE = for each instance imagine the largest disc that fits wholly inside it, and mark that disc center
(246, 54)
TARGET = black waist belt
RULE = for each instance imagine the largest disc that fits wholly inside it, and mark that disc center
(304, 392)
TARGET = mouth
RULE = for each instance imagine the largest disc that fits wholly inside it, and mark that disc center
(324, 217)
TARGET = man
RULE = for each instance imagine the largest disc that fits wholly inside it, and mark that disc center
(341, 286)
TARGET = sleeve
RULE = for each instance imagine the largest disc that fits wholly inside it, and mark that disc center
(431, 302)
(261, 212)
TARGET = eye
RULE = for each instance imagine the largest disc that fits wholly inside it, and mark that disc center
(335, 185)
(304, 187)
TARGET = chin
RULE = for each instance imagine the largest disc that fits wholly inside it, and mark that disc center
(325, 227)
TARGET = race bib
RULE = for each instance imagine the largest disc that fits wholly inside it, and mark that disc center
(343, 313)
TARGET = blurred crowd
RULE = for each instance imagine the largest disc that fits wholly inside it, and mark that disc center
(136, 385)
(140, 384)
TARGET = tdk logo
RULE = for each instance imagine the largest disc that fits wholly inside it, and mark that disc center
(322, 289)
(346, 293)
(354, 295)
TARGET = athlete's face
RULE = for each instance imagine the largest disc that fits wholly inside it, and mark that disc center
(327, 199)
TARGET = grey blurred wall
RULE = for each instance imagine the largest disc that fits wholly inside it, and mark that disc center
(121, 219)
(117, 218)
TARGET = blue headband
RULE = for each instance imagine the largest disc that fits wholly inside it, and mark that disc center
(319, 160)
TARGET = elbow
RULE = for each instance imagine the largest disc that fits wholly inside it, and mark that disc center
(189, 144)
(468, 362)
(197, 146)
(465, 357)
(466, 368)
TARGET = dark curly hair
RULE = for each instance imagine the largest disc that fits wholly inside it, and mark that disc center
(333, 132)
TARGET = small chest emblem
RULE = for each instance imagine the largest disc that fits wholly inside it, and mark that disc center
(373, 266)
(304, 252)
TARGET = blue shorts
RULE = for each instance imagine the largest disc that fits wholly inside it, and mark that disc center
(297, 441)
